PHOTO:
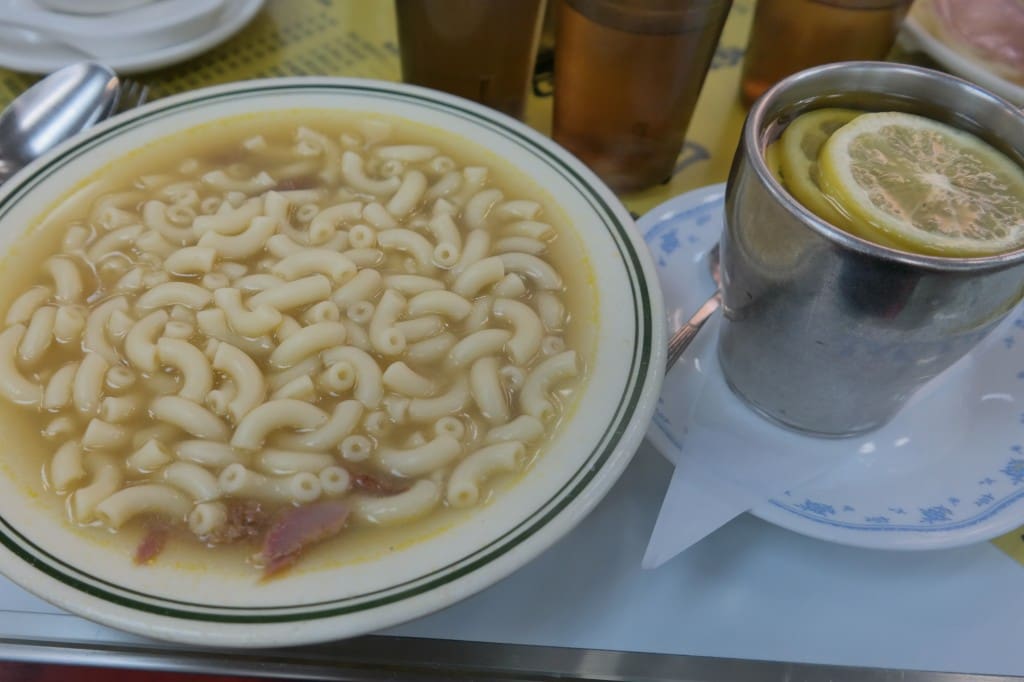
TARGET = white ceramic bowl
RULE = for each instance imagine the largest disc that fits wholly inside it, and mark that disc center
(589, 453)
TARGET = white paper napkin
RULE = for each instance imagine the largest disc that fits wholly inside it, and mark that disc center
(728, 464)
(730, 460)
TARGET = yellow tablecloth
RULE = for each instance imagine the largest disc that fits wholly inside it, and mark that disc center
(358, 38)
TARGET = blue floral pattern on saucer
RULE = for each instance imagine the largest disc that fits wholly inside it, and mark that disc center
(948, 471)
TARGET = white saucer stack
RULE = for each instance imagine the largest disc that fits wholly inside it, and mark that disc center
(130, 36)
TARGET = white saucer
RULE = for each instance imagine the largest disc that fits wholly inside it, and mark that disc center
(947, 471)
(918, 37)
(22, 51)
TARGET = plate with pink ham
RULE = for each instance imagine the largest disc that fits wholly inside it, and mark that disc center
(978, 41)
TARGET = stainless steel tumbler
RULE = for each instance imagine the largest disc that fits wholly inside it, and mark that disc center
(823, 331)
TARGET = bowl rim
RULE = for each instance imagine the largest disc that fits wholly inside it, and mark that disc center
(59, 582)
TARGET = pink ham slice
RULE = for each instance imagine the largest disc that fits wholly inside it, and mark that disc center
(153, 542)
(299, 528)
(992, 30)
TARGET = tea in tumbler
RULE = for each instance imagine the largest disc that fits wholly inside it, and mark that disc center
(833, 319)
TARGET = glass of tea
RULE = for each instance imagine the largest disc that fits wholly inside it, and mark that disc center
(627, 77)
(874, 234)
(791, 35)
(483, 50)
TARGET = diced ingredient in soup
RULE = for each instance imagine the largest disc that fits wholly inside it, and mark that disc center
(152, 543)
(294, 335)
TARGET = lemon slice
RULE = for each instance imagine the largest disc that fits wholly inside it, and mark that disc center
(774, 162)
(798, 158)
(924, 185)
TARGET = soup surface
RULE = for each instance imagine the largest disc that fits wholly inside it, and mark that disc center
(292, 329)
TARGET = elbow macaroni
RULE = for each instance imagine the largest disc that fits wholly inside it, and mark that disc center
(286, 328)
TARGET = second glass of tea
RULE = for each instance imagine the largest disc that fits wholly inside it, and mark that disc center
(627, 77)
(483, 50)
(791, 35)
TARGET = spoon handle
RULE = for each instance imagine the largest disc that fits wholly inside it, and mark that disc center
(685, 335)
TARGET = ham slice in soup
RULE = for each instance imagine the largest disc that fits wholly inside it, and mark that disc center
(152, 543)
(297, 529)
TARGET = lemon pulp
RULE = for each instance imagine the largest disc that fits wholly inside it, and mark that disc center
(922, 186)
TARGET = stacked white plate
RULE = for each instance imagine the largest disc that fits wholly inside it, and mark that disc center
(130, 36)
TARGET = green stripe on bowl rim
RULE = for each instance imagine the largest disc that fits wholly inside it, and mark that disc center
(640, 363)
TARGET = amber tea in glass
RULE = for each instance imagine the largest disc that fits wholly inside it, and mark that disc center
(791, 35)
(627, 77)
(482, 50)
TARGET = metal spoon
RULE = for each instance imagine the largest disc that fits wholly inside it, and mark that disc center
(59, 106)
(685, 335)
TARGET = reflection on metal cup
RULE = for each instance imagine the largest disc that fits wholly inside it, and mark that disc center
(828, 333)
